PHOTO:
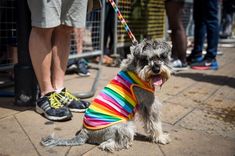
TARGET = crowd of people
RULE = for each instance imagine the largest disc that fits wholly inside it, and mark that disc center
(206, 27)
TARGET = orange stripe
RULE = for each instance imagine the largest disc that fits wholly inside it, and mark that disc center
(106, 110)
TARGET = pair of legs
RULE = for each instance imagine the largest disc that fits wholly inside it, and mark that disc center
(174, 11)
(49, 51)
(205, 16)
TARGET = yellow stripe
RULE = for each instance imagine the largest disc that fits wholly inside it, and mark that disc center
(135, 78)
(95, 107)
(119, 90)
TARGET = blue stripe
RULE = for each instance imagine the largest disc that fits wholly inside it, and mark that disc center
(124, 75)
(119, 101)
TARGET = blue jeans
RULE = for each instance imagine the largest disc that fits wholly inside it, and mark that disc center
(205, 16)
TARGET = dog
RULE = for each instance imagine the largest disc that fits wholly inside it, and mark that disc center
(109, 120)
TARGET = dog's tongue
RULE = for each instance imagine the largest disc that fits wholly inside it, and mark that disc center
(157, 80)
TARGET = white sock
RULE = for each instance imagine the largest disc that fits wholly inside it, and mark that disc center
(59, 90)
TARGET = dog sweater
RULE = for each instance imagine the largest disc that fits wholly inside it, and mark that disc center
(116, 102)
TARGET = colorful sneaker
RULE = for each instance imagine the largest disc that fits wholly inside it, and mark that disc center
(82, 68)
(52, 109)
(177, 65)
(72, 102)
(206, 64)
(194, 59)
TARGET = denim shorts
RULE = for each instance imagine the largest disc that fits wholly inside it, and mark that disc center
(52, 13)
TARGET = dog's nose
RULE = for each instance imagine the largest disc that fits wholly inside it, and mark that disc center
(156, 68)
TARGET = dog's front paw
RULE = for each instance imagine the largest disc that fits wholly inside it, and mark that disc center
(162, 139)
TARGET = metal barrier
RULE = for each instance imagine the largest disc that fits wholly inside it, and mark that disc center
(92, 46)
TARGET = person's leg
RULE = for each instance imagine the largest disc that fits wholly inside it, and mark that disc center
(79, 32)
(40, 53)
(110, 28)
(212, 28)
(174, 12)
(61, 49)
(200, 27)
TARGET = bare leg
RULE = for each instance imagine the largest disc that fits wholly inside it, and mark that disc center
(40, 53)
(61, 49)
(79, 32)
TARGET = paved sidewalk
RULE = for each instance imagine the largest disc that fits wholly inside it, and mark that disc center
(198, 112)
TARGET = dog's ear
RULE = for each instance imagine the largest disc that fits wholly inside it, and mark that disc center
(164, 49)
(135, 50)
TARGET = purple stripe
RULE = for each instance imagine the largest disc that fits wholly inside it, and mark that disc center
(123, 81)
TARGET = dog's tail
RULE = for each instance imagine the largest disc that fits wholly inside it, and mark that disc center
(75, 141)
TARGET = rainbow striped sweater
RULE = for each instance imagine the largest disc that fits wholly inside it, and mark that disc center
(116, 102)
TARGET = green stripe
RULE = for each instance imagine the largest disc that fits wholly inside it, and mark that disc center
(132, 78)
(91, 111)
(120, 97)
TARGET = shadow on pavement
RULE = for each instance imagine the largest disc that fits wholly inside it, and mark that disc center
(214, 79)
(8, 103)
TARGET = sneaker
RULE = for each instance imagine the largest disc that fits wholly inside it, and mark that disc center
(82, 68)
(52, 109)
(72, 102)
(177, 65)
(206, 64)
(194, 59)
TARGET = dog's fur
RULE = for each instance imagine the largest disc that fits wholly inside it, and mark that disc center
(148, 59)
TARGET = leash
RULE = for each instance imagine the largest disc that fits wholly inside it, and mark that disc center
(123, 21)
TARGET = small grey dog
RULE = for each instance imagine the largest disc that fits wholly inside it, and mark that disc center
(109, 120)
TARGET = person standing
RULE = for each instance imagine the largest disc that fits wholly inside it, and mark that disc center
(49, 43)
(205, 14)
(174, 11)
(228, 9)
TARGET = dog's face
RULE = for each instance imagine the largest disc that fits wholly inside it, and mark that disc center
(149, 60)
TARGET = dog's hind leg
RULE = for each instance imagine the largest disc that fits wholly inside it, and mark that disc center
(108, 145)
(81, 138)
(123, 138)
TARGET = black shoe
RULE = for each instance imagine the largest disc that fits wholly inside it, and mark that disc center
(52, 109)
(82, 68)
(72, 102)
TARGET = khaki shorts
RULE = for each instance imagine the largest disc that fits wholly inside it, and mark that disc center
(52, 13)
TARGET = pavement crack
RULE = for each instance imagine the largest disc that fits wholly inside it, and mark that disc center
(184, 116)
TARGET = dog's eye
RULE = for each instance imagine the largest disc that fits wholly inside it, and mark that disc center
(144, 61)
(164, 56)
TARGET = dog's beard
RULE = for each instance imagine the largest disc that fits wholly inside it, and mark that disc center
(154, 79)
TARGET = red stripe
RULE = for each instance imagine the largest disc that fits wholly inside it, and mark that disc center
(120, 85)
(114, 111)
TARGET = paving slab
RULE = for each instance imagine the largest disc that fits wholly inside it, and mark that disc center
(210, 122)
(221, 104)
(37, 127)
(139, 148)
(226, 92)
(174, 85)
(14, 140)
(193, 143)
(195, 95)
(8, 108)
(171, 113)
